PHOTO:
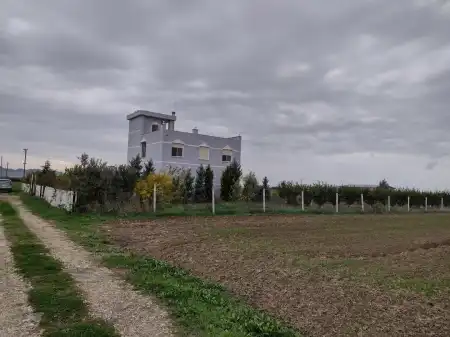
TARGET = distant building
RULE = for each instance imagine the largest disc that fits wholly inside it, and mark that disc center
(153, 136)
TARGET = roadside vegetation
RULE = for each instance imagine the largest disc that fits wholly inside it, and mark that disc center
(131, 188)
(107, 188)
(54, 294)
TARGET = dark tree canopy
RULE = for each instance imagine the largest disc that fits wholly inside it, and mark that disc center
(209, 182)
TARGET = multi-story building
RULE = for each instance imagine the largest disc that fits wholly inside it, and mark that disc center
(153, 136)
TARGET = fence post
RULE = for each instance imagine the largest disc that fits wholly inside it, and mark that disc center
(74, 200)
(362, 202)
(154, 198)
(213, 201)
(337, 202)
(409, 204)
(303, 200)
(426, 204)
(442, 204)
(389, 203)
(264, 200)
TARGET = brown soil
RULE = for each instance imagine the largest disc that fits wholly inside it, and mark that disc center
(380, 275)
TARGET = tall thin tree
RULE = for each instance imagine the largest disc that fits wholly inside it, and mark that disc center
(199, 189)
(209, 182)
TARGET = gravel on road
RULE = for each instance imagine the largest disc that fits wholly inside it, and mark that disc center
(16, 316)
(109, 298)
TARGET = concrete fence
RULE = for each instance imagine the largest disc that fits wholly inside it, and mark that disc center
(57, 198)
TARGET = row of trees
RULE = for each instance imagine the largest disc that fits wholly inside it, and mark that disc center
(321, 193)
(234, 186)
(106, 187)
(98, 184)
(94, 181)
(180, 186)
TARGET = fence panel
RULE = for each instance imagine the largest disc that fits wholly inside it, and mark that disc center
(57, 198)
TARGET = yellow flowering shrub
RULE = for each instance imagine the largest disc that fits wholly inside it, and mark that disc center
(164, 189)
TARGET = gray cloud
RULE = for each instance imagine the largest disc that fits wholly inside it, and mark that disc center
(432, 164)
(353, 91)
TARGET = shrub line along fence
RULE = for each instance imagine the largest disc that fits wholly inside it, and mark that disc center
(381, 197)
(135, 187)
(67, 199)
(388, 204)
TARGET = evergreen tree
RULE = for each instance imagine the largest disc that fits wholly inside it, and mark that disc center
(230, 182)
(149, 168)
(188, 187)
(265, 186)
(226, 184)
(209, 182)
(199, 190)
(46, 177)
(136, 165)
(384, 184)
(84, 158)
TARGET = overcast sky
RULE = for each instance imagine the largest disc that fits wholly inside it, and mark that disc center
(348, 91)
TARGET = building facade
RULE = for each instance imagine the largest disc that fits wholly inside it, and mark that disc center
(153, 136)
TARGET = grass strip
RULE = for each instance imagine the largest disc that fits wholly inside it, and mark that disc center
(200, 308)
(54, 294)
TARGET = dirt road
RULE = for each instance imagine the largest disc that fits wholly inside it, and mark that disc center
(113, 300)
(16, 316)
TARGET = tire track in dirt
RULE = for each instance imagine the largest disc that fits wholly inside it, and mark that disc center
(16, 316)
(113, 300)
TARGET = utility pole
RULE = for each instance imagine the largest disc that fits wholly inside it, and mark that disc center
(25, 162)
(7, 168)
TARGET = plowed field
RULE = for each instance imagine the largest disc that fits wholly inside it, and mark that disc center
(361, 275)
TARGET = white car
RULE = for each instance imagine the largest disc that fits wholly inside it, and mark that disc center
(5, 185)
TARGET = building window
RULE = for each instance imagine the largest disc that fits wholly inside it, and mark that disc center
(177, 151)
(226, 156)
(143, 149)
(154, 127)
(203, 153)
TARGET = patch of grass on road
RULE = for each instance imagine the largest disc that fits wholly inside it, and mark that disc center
(54, 294)
(200, 308)
(16, 187)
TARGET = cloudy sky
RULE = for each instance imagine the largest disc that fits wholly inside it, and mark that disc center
(349, 91)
